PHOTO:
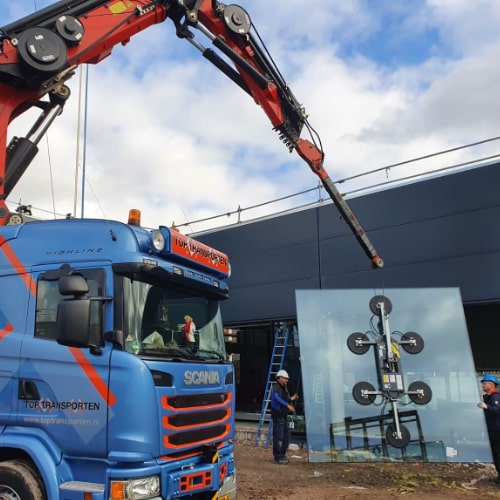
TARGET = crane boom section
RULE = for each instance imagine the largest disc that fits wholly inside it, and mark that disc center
(40, 52)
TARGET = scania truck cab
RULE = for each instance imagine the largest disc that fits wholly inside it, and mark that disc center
(102, 393)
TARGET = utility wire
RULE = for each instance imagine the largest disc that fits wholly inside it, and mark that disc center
(51, 176)
(238, 211)
(421, 174)
(419, 158)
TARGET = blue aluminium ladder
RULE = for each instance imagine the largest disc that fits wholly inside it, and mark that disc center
(275, 365)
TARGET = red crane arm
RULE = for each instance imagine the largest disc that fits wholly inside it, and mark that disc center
(40, 52)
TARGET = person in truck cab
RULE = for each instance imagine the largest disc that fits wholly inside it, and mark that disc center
(188, 329)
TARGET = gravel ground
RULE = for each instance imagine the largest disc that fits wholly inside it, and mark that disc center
(258, 476)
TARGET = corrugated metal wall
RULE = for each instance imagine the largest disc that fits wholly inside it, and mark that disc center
(438, 232)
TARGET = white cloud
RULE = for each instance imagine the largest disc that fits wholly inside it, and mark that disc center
(167, 133)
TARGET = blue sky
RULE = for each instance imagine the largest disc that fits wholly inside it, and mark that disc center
(383, 81)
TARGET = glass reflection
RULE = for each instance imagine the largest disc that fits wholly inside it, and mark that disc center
(393, 386)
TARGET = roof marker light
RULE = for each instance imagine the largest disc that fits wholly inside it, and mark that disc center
(134, 217)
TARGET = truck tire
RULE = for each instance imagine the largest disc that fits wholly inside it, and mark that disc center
(18, 481)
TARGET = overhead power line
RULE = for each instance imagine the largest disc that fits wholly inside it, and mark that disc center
(319, 188)
(320, 199)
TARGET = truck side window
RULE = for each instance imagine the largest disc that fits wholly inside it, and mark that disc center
(48, 297)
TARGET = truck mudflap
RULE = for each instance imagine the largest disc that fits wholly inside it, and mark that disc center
(228, 489)
(218, 477)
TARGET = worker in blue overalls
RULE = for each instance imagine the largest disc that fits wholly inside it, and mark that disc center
(281, 405)
(491, 407)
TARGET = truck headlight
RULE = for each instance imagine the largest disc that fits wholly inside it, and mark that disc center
(135, 489)
(158, 240)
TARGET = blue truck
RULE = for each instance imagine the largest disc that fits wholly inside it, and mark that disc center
(101, 394)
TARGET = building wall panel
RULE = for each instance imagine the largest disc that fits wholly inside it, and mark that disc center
(441, 231)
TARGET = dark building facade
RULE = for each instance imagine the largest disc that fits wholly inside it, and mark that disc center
(438, 232)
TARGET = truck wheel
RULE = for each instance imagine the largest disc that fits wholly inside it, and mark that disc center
(18, 481)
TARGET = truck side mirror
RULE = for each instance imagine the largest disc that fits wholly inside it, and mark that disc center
(73, 319)
(73, 315)
(73, 322)
(73, 284)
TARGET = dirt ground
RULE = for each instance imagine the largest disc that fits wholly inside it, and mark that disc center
(258, 476)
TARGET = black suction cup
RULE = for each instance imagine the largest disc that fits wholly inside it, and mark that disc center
(416, 342)
(375, 304)
(356, 343)
(359, 393)
(424, 393)
(393, 439)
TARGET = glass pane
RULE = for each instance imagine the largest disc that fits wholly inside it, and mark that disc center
(389, 377)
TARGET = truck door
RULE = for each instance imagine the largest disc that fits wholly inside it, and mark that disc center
(15, 298)
(64, 390)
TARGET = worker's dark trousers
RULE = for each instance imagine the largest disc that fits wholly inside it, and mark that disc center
(495, 448)
(281, 437)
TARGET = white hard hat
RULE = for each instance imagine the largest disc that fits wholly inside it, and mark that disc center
(282, 373)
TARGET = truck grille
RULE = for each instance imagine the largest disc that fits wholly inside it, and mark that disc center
(195, 420)
(197, 400)
(188, 419)
(197, 436)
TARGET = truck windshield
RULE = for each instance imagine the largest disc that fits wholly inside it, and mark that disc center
(167, 323)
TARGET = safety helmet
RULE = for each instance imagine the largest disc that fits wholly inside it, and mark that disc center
(282, 373)
(490, 378)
